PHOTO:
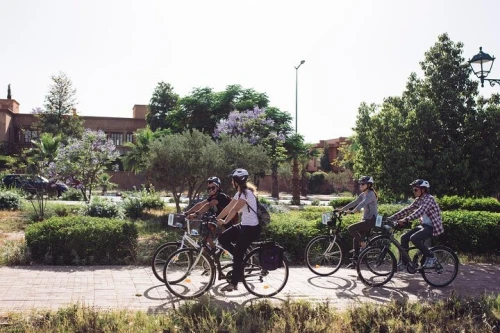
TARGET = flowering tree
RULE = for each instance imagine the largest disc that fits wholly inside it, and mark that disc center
(83, 160)
(267, 127)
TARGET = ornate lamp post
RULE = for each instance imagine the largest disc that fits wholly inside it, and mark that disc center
(481, 65)
(297, 90)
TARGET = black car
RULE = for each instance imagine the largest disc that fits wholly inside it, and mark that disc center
(32, 184)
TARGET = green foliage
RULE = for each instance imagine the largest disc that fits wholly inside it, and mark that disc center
(132, 207)
(14, 252)
(473, 204)
(340, 202)
(9, 200)
(316, 182)
(315, 202)
(72, 194)
(471, 232)
(324, 161)
(82, 240)
(102, 207)
(162, 103)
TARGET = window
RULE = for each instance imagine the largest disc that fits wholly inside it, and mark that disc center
(117, 138)
(129, 137)
(30, 135)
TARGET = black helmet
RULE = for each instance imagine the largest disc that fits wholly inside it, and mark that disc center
(366, 179)
(239, 174)
(420, 183)
(214, 180)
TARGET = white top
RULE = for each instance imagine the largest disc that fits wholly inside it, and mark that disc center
(248, 217)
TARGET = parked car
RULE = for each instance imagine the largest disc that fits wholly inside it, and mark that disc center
(32, 184)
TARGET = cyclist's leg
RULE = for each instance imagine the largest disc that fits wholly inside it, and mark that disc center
(353, 230)
(229, 236)
(246, 236)
(418, 239)
(405, 242)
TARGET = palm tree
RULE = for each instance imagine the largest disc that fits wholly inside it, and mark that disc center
(135, 160)
(304, 160)
(296, 149)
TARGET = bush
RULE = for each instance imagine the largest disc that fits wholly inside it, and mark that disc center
(151, 199)
(472, 204)
(82, 240)
(101, 207)
(72, 195)
(316, 181)
(9, 200)
(132, 207)
(340, 202)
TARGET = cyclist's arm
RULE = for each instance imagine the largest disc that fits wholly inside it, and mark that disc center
(196, 207)
(369, 198)
(203, 209)
(420, 211)
(353, 203)
(404, 212)
(226, 209)
(238, 204)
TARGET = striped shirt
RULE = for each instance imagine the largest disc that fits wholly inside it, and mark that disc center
(425, 205)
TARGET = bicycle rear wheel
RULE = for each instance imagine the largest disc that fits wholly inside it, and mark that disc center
(160, 258)
(188, 274)
(323, 255)
(376, 266)
(261, 282)
(445, 270)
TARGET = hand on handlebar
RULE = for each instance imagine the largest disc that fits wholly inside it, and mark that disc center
(220, 222)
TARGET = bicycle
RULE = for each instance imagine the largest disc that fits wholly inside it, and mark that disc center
(165, 250)
(190, 272)
(377, 263)
(324, 253)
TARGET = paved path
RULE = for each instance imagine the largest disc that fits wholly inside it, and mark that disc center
(132, 287)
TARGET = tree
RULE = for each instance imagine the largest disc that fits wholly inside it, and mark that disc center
(162, 104)
(296, 149)
(9, 94)
(59, 115)
(84, 160)
(325, 159)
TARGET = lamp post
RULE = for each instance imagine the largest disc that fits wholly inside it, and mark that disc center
(481, 65)
(297, 90)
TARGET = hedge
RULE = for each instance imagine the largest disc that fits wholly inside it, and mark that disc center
(82, 240)
(10, 200)
(465, 231)
(472, 204)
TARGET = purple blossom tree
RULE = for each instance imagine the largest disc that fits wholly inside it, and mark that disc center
(82, 161)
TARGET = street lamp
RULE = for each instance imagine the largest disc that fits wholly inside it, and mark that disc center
(297, 90)
(481, 65)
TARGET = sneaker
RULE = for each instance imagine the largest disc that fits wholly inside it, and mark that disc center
(401, 267)
(229, 287)
(429, 262)
(351, 265)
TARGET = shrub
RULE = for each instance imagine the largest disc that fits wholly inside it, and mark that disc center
(132, 207)
(472, 204)
(9, 200)
(72, 195)
(316, 181)
(151, 199)
(101, 207)
(340, 202)
(82, 240)
(14, 252)
(315, 202)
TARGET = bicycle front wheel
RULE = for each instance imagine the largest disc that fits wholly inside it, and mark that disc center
(445, 270)
(323, 255)
(376, 266)
(261, 282)
(188, 273)
(160, 258)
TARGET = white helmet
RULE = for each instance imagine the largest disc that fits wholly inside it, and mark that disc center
(420, 183)
(240, 174)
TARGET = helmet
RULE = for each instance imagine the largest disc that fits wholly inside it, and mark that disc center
(420, 183)
(366, 179)
(214, 180)
(240, 174)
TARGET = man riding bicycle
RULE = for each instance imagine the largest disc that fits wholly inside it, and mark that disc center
(427, 210)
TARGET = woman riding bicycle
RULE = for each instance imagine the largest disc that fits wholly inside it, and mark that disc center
(426, 208)
(242, 234)
(367, 200)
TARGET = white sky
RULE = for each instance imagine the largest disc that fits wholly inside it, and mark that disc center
(117, 51)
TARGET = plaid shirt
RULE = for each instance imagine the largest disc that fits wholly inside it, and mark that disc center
(424, 205)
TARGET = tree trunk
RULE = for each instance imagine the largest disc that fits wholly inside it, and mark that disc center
(275, 193)
(303, 183)
(295, 182)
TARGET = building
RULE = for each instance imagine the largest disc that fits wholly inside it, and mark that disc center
(16, 133)
(333, 152)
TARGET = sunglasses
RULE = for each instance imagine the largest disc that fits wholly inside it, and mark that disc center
(416, 189)
(362, 184)
(211, 188)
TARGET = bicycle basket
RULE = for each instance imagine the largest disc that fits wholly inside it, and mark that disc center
(271, 256)
(328, 219)
(193, 227)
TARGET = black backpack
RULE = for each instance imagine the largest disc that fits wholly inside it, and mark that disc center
(262, 213)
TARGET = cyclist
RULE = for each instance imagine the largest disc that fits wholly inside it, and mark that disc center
(242, 234)
(217, 200)
(367, 201)
(426, 208)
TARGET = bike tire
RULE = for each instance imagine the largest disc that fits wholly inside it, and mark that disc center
(446, 269)
(186, 278)
(324, 255)
(261, 282)
(160, 258)
(376, 259)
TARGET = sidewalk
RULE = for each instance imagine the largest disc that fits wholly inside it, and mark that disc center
(132, 287)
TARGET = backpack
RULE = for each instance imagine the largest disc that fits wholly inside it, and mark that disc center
(271, 256)
(262, 213)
